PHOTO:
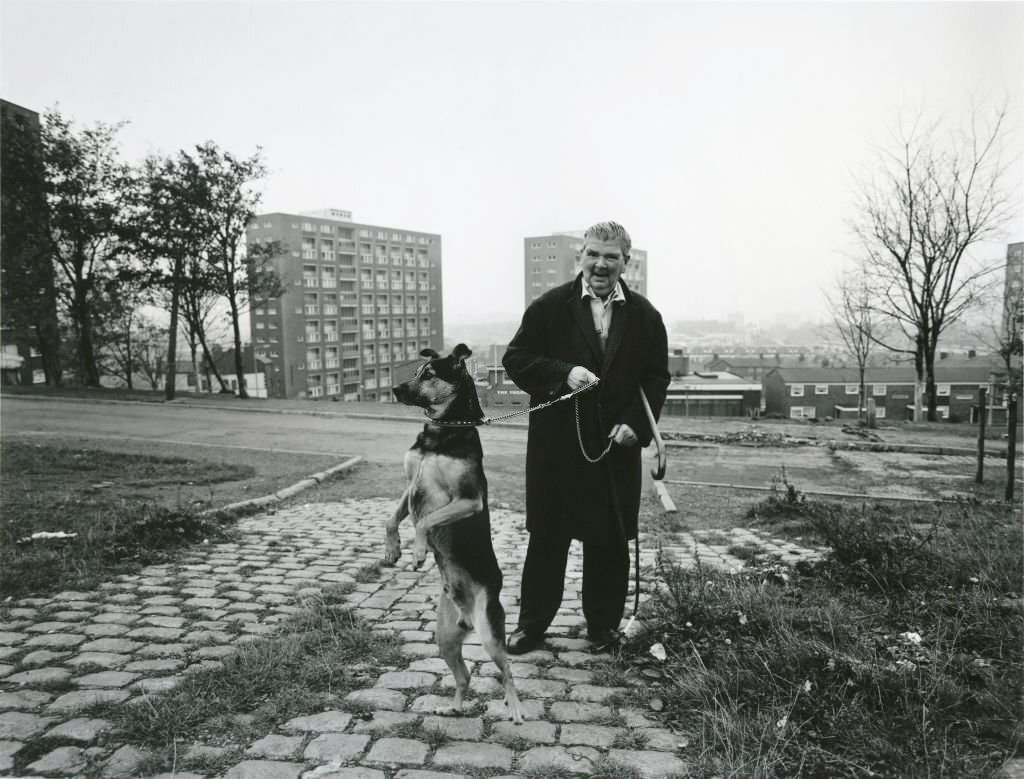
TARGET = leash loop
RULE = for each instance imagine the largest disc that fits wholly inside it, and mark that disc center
(579, 437)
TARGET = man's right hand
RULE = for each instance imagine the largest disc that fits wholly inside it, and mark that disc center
(580, 377)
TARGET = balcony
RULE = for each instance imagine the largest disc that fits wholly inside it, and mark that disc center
(311, 310)
(315, 392)
(312, 338)
(366, 284)
(333, 389)
(329, 310)
(396, 285)
(309, 282)
(371, 360)
(314, 365)
(349, 326)
(308, 254)
(410, 286)
(331, 364)
(331, 336)
(425, 286)
(350, 373)
(382, 283)
(326, 282)
(370, 384)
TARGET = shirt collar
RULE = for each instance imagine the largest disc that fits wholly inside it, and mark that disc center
(617, 296)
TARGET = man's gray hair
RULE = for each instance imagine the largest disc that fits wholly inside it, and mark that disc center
(610, 231)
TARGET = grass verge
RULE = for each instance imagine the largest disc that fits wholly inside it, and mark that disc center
(897, 655)
(98, 499)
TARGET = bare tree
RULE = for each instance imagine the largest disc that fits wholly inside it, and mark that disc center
(857, 322)
(933, 198)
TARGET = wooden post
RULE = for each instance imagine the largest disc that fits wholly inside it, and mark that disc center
(982, 392)
(1011, 443)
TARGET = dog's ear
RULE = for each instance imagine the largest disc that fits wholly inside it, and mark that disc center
(461, 352)
(429, 353)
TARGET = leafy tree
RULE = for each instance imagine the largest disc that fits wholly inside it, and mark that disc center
(244, 276)
(28, 295)
(87, 188)
(933, 198)
(140, 348)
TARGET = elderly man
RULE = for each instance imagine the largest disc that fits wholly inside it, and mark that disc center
(592, 328)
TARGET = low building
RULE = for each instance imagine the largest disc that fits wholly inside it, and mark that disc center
(718, 394)
(814, 392)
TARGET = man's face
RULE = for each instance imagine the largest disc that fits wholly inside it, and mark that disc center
(602, 263)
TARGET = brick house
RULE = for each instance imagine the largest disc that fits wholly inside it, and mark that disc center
(813, 392)
(712, 395)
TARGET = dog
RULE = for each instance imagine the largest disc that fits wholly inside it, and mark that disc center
(446, 498)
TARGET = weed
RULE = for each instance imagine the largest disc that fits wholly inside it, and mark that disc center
(631, 739)
(368, 573)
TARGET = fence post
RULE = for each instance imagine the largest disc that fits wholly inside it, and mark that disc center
(1011, 443)
(982, 392)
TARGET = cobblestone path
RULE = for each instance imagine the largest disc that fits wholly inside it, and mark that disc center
(138, 635)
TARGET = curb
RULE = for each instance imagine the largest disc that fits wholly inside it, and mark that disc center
(252, 505)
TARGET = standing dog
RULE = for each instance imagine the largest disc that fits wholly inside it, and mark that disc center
(446, 497)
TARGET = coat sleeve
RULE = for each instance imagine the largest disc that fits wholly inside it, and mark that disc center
(654, 381)
(527, 362)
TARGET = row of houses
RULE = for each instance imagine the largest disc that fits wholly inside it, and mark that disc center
(807, 391)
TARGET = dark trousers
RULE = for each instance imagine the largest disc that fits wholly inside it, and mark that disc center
(605, 582)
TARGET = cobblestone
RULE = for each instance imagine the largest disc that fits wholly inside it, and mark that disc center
(146, 631)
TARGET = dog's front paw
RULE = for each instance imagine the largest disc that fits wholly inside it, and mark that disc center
(392, 551)
(420, 550)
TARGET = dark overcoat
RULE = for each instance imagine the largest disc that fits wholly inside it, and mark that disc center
(565, 493)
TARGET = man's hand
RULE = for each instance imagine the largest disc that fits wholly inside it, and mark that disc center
(623, 435)
(580, 377)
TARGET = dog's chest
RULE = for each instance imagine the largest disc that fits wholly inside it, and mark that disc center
(434, 480)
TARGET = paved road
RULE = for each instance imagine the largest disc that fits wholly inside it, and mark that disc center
(374, 439)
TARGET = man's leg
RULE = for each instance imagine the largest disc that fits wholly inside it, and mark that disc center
(605, 584)
(542, 586)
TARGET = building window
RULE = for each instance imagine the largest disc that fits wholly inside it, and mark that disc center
(942, 390)
(307, 226)
(796, 390)
(852, 389)
(803, 412)
(878, 390)
(880, 413)
(325, 228)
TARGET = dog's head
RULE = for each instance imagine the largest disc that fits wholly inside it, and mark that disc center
(443, 386)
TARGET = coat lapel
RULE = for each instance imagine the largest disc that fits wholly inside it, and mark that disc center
(580, 308)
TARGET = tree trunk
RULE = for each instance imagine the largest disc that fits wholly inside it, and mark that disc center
(87, 350)
(1011, 441)
(172, 333)
(208, 359)
(48, 333)
(929, 379)
(862, 399)
(239, 366)
(919, 383)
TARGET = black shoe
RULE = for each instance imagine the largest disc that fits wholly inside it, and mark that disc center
(604, 639)
(521, 642)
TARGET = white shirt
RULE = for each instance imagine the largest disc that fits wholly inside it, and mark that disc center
(602, 310)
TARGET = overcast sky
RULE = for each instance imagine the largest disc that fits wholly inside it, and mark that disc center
(725, 137)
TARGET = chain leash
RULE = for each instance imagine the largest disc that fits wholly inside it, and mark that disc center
(530, 410)
(579, 437)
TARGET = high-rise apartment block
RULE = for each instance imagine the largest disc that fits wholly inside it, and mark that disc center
(359, 300)
(550, 260)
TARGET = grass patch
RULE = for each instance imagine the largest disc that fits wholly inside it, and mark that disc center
(899, 654)
(90, 495)
(319, 657)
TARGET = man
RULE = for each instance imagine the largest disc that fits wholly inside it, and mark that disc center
(592, 328)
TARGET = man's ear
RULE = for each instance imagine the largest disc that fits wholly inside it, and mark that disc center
(461, 352)
(429, 353)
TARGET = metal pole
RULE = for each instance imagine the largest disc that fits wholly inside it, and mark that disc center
(982, 393)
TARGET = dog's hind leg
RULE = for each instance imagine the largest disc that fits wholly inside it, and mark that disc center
(392, 543)
(451, 632)
(490, 626)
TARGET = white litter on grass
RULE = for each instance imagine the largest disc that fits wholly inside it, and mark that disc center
(911, 637)
(43, 535)
(658, 651)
